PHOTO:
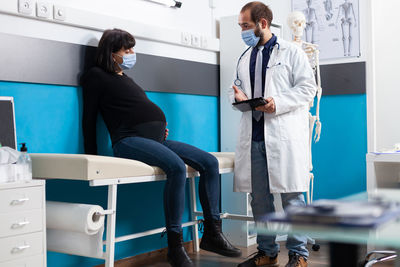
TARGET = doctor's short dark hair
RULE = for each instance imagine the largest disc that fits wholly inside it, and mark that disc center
(258, 11)
(111, 42)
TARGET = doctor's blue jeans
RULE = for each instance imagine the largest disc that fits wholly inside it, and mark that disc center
(262, 203)
(171, 157)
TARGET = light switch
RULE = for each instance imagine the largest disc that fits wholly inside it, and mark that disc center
(185, 38)
(60, 13)
(25, 7)
(43, 10)
(204, 43)
(196, 40)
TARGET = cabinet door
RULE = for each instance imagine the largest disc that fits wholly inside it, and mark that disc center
(17, 247)
(20, 199)
(34, 261)
(22, 222)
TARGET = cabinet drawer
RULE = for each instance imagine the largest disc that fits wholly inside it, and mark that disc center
(22, 222)
(35, 261)
(17, 247)
(19, 199)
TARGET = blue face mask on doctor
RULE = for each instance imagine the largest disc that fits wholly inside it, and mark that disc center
(249, 37)
(128, 61)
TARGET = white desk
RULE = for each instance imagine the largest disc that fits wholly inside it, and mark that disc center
(383, 171)
(386, 235)
(111, 172)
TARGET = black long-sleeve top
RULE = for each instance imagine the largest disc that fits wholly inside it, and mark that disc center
(124, 106)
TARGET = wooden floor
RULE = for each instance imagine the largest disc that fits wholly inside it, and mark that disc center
(207, 259)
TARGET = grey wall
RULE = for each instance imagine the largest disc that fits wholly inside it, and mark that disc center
(35, 60)
(343, 79)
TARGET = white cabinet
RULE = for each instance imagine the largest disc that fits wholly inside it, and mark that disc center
(383, 170)
(22, 224)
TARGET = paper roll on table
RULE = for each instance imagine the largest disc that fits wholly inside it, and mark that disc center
(74, 228)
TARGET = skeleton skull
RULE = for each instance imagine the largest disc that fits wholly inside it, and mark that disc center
(297, 22)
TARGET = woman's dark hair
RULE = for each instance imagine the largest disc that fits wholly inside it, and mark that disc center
(111, 42)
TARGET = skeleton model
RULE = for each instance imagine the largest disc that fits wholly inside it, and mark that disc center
(297, 22)
(328, 9)
(348, 18)
(311, 23)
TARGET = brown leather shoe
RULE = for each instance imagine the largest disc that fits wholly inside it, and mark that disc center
(260, 259)
(296, 260)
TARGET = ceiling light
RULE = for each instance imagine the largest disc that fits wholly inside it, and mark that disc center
(170, 3)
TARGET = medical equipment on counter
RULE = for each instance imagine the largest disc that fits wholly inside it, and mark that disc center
(8, 166)
(24, 165)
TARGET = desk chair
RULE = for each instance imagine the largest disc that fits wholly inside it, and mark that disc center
(386, 255)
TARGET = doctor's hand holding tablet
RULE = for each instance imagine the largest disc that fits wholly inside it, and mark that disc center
(267, 106)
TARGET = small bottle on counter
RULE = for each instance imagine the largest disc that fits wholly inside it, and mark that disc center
(24, 165)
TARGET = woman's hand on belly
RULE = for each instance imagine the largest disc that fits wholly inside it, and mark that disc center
(166, 132)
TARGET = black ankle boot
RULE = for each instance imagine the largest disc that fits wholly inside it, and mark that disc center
(214, 240)
(177, 256)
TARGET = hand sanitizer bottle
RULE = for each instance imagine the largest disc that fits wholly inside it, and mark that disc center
(24, 165)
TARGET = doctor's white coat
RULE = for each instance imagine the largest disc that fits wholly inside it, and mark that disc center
(290, 82)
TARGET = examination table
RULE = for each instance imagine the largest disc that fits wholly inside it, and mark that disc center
(111, 172)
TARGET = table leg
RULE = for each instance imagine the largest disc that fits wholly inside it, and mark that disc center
(195, 228)
(371, 176)
(111, 218)
(397, 262)
(344, 255)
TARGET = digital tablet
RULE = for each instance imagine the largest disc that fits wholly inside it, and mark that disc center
(250, 104)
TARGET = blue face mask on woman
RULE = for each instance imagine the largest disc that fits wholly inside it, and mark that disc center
(250, 38)
(128, 61)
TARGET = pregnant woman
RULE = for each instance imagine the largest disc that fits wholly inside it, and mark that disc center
(138, 131)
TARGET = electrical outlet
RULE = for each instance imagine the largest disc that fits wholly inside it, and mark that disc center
(196, 40)
(185, 38)
(43, 10)
(25, 7)
(60, 13)
(204, 42)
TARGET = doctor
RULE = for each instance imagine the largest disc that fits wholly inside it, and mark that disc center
(272, 150)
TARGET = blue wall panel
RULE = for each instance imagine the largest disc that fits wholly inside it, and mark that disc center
(48, 118)
(339, 156)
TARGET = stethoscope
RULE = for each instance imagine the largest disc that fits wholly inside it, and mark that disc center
(237, 81)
